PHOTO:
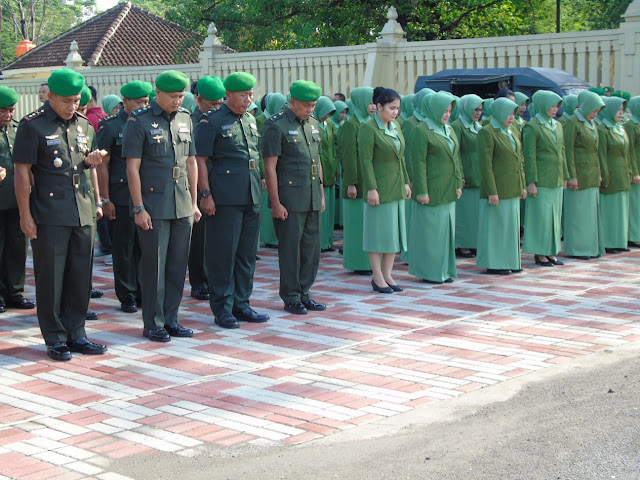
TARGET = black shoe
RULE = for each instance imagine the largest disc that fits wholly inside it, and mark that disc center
(157, 335)
(363, 272)
(59, 352)
(497, 271)
(96, 293)
(396, 288)
(623, 249)
(296, 307)
(379, 289)
(449, 280)
(555, 261)
(519, 270)
(226, 320)
(250, 315)
(3, 306)
(468, 254)
(548, 263)
(581, 257)
(129, 305)
(612, 250)
(634, 244)
(200, 294)
(84, 345)
(433, 282)
(178, 330)
(91, 315)
(22, 304)
(270, 245)
(341, 251)
(312, 305)
(330, 249)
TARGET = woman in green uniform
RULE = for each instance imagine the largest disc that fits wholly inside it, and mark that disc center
(337, 119)
(569, 102)
(616, 170)
(632, 127)
(386, 183)
(518, 124)
(582, 229)
(323, 111)
(546, 175)
(406, 109)
(466, 128)
(501, 187)
(437, 184)
(354, 257)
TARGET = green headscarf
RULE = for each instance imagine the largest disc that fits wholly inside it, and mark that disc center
(418, 103)
(266, 111)
(324, 106)
(466, 106)
(434, 105)
(361, 97)
(589, 102)
(502, 108)
(406, 105)
(542, 101)
(634, 106)
(488, 102)
(570, 103)
(274, 104)
(109, 102)
(612, 105)
(335, 118)
(521, 98)
(350, 107)
(189, 101)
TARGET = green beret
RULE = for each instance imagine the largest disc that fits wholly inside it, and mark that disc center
(85, 96)
(239, 82)
(211, 88)
(65, 82)
(136, 89)
(171, 81)
(599, 91)
(305, 91)
(621, 94)
(152, 95)
(8, 97)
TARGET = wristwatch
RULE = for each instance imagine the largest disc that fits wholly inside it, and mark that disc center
(105, 200)
(99, 204)
(138, 209)
(206, 193)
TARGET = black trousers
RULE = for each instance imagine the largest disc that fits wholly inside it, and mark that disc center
(13, 256)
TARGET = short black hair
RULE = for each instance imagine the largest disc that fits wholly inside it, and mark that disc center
(382, 95)
(94, 92)
(505, 92)
(340, 96)
(194, 87)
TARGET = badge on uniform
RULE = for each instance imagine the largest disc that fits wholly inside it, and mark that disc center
(120, 135)
(57, 162)
(253, 125)
(79, 128)
(81, 139)
(293, 132)
(155, 131)
(226, 127)
(313, 130)
(183, 130)
(53, 142)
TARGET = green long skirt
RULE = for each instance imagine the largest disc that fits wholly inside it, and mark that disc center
(614, 217)
(267, 232)
(543, 222)
(582, 228)
(384, 227)
(634, 213)
(408, 212)
(353, 256)
(338, 210)
(327, 219)
(499, 235)
(467, 213)
(432, 252)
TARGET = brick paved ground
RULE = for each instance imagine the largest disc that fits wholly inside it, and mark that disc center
(296, 378)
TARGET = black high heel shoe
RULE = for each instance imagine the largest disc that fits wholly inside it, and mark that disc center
(548, 263)
(378, 289)
(395, 288)
(555, 261)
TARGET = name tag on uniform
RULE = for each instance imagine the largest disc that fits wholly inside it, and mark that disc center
(293, 132)
(183, 130)
(226, 127)
(53, 142)
(253, 125)
(313, 130)
(81, 139)
(156, 131)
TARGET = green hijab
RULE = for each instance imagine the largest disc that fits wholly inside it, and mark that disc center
(488, 102)
(612, 105)
(324, 106)
(274, 104)
(502, 108)
(543, 100)
(634, 106)
(570, 103)
(189, 101)
(335, 118)
(350, 107)
(434, 106)
(466, 106)
(521, 98)
(589, 102)
(406, 105)
(361, 97)
(266, 112)
(418, 102)
(109, 102)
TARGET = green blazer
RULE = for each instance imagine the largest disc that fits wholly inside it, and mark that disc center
(615, 161)
(351, 173)
(633, 130)
(501, 167)
(544, 157)
(468, 154)
(437, 171)
(7, 190)
(407, 127)
(383, 166)
(581, 148)
(328, 157)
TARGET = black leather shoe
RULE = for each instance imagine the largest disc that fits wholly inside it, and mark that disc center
(555, 261)
(396, 288)
(296, 307)
(178, 330)
(433, 282)
(96, 293)
(91, 315)
(200, 294)
(270, 245)
(250, 315)
(363, 272)
(497, 271)
(59, 352)
(463, 254)
(3, 307)
(581, 257)
(330, 249)
(623, 249)
(379, 289)
(313, 305)
(612, 250)
(157, 335)
(634, 244)
(542, 263)
(23, 304)
(226, 320)
(84, 345)
(129, 305)
(449, 280)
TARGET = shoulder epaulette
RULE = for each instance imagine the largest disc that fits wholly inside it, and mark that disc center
(109, 118)
(184, 110)
(82, 116)
(208, 112)
(275, 116)
(140, 111)
(34, 114)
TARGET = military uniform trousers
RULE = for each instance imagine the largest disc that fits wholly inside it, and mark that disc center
(298, 254)
(126, 256)
(62, 267)
(13, 256)
(198, 271)
(232, 244)
(164, 266)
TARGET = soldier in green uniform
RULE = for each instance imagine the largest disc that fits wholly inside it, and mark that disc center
(114, 186)
(229, 178)
(291, 147)
(162, 172)
(13, 242)
(209, 94)
(57, 212)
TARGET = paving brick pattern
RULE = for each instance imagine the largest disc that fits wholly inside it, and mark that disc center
(296, 378)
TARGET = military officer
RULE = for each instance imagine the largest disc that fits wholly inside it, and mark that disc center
(227, 139)
(13, 242)
(162, 174)
(57, 213)
(209, 94)
(291, 147)
(114, 186)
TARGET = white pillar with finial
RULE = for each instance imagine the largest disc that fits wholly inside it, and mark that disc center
(381, 58)
(630, 46)
(74, 60)
(211, 47)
